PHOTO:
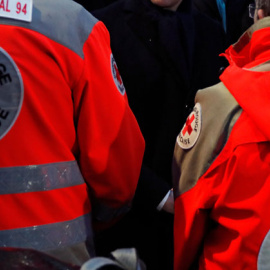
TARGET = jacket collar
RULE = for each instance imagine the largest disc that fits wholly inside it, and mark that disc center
(134, 5)
(250, 45)
(145, 19)
(247, 77)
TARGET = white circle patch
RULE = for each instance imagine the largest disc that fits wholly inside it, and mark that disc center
(117, 77)
(11, 92)
(192, 128)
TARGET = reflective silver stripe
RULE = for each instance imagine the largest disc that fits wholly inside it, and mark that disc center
(50, 236)
(264, 254)
(39, 177)
(63, 21)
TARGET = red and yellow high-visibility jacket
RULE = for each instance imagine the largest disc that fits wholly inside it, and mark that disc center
(222, 165)
(70, 145)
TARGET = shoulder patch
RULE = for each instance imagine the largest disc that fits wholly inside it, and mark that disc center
(117, 77)
(192, 128)
(11, 92)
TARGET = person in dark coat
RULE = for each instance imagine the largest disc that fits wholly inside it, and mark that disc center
(232, 14)
(91, 5)
(164, 56)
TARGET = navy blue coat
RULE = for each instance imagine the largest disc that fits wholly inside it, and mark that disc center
(94, 4)
(164, 57)
(237, 16)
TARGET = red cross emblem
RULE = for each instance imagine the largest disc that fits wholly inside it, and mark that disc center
(118, 77)
(188, 127)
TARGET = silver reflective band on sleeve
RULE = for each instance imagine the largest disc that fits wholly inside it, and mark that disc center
(50, 236)
(39, 177)
(264, 254)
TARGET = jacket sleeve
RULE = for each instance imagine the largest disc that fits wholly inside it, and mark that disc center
(196, 183)
(110, 141)
(193, 208)
(191, 224)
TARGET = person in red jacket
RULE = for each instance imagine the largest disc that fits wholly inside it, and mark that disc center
(71, 148)
(221, 163)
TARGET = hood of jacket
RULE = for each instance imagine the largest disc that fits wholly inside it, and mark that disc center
(248, 75)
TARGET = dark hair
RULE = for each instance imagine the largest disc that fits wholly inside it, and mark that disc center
(265, 5)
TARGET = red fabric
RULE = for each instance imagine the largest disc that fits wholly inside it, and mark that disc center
(71, 110)
(227, 207)
(250, 88)
(224, 218)
(43, 207)
(250, 52)
(111, 144)
(251, 91)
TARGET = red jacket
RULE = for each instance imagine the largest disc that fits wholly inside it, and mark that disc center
(69, 142)
(222, 177)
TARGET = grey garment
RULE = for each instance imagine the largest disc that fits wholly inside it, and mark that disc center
(264, 255)
(42, 177)
(49, 236)
(76, 254)
(121, 259)
(70, 27)
(219, 113)
(12, 92)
